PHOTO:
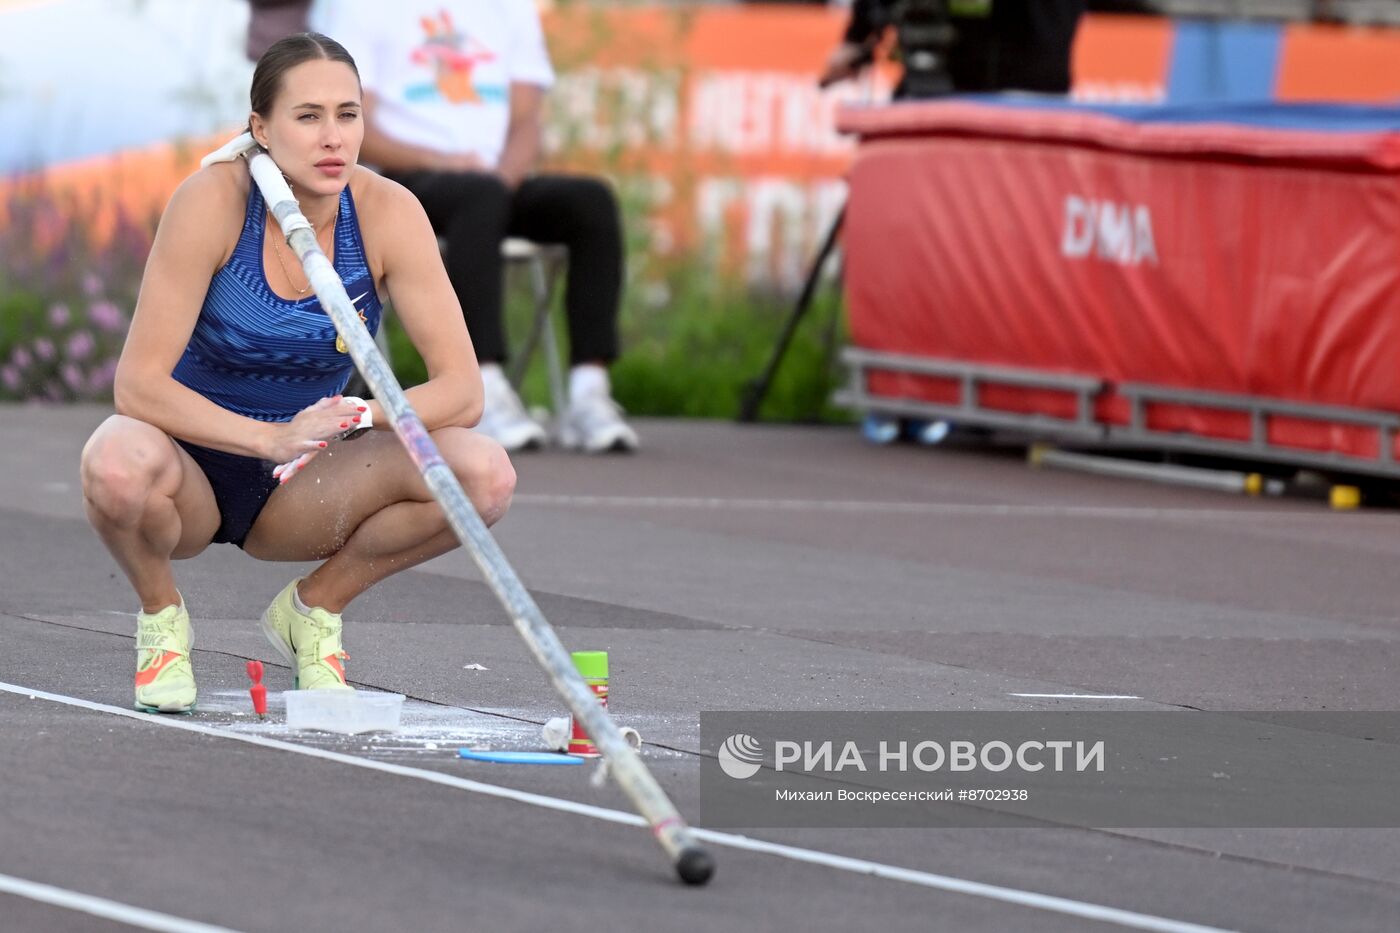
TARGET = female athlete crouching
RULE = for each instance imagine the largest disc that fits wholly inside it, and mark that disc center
(232, 366)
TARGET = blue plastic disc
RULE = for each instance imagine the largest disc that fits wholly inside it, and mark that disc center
(520, 758)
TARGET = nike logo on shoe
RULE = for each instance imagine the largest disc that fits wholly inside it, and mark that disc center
(334, 661)
(151, 673)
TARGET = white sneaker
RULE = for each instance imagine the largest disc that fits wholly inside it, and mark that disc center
(503, 417)
(593, 424)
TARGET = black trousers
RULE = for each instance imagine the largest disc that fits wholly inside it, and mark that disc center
(475, 212)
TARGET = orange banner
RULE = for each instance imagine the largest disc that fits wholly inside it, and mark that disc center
(712, 117)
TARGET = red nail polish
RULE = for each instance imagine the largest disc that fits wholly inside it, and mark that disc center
(345, 424)
(362, 408)
(323, 444)
(356, 419)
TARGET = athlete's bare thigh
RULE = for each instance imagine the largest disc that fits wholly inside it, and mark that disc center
(312, 516)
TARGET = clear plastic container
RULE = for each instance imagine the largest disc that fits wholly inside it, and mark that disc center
(347, 712)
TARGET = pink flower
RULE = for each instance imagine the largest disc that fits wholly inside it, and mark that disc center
(21, 358)
(100, 379)
(10, 376)
(80, 346)
(106, 316)
(72, 376)
(59, 315)
(92, 285)
(43, 348)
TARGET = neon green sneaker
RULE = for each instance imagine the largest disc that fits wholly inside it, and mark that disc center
(164, 678)
(309, 641)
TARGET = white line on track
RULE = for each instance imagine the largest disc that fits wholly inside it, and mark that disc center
(1078, 696)
(1030, 899)
(991, 509)
(101, 907)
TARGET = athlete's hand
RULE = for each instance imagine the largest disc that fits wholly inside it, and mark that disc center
(285, 471)
(310, 432)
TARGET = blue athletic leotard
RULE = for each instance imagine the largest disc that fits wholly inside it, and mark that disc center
(266, 357)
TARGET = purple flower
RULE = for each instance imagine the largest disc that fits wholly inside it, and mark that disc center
(21, 358)
(43, 348)
(10, 376)
(72, 376)
(100, 379)
(80, 345)
(106, 316)
(59, 315)
(92, 285)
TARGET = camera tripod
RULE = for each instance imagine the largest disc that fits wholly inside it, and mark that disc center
(925, 33)
(756, 390)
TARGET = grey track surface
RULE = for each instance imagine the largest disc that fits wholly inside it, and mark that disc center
(723, 567)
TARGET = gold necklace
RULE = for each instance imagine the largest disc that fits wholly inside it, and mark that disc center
(340, 344)
(277, 253)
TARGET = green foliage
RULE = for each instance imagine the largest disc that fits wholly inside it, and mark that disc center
(21, 313)
(690, 350)
(694, 354)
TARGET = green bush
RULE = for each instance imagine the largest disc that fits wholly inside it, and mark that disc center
(691, 354)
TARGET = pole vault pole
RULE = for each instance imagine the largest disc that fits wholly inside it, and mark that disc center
(692, 863)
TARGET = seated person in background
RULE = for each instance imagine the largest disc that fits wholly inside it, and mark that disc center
(270, 20)
(454, 93)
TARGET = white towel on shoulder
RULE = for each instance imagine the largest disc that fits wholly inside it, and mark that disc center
(230, 150)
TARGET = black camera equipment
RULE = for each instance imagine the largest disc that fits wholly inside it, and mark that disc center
(924, 33)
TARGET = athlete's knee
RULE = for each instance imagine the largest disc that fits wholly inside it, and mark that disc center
(491, 477)
(122, 465)
(500, 484)
(484, 470)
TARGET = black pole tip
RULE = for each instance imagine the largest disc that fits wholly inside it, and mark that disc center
(695, 866)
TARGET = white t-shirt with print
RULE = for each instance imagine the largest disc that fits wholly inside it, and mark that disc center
(441, 70)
